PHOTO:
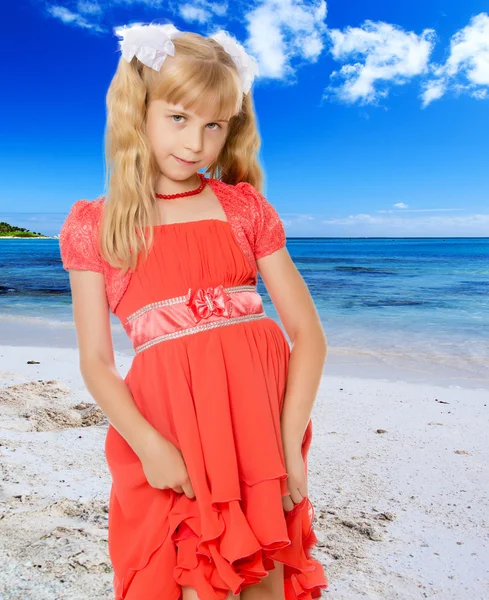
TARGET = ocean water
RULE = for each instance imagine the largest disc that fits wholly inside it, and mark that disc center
(415, 309)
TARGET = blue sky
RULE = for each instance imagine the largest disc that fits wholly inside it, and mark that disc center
(373, 114)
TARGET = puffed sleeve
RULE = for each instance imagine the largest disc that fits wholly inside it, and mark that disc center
(269, 232)
(78, 239)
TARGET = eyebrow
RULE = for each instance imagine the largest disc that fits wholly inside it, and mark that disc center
(182, 112)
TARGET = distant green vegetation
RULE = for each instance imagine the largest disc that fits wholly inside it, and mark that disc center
(21, 232)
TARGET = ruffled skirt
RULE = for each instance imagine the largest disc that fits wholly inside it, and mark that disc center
(217, 395)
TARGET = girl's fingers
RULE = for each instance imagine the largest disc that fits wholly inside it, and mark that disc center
(188, 490)
(287, 503)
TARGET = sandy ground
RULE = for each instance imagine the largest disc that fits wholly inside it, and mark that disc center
(398, 475)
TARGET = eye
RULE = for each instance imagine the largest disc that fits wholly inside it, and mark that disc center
(179, 117)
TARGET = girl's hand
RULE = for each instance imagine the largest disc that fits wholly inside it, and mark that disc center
(297, 480)
(164, 466)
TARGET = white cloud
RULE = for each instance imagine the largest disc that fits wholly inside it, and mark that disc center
(190, 12)
(279, 30)
(433, 90)
(89, 8)
(67, 16)
(296, 219)
(436, 225)
(389, 222)
(466, 69)
(417, 210)
(362, 218)
(379, 55)
(148, 3)
(88, 12)
(202, 11)
(479, 94)
(400, 205)
(218, 8)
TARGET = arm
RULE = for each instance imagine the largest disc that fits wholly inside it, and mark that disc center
(97, 366)
(81, 258)
(162, 462)
(296, 309)
(297, 312)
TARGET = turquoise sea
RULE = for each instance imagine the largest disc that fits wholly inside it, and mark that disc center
(397, 308)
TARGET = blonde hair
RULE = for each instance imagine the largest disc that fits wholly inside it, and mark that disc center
(201, 73)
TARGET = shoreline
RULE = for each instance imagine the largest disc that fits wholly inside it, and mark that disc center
(397, 478)
(341, 361)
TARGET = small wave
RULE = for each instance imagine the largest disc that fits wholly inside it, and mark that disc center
(29, 320)
(365, 270)
(26, 292)
(394, 302)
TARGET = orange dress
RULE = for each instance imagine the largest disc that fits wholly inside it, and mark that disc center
(217, 396)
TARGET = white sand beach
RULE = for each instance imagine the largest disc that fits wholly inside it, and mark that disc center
(398, 477)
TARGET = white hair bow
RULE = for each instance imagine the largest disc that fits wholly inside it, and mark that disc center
(246, 64)
(149, 43)
(152, 43)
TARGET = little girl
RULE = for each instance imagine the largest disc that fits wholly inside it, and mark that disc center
(210, 429)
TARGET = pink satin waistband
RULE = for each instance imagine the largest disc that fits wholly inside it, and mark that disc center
(200, 309)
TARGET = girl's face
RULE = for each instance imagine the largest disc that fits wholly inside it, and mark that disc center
(178, 135)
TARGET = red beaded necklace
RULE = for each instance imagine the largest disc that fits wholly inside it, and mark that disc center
(189, 193)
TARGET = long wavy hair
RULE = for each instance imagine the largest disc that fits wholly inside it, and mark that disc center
(200, 74)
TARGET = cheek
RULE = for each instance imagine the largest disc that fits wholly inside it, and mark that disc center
(216, 141)
(159, 137)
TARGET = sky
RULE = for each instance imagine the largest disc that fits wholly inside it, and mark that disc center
(373, 115)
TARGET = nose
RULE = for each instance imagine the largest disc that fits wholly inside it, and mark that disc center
(194, 139)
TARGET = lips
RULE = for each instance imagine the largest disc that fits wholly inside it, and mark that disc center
(188, 162)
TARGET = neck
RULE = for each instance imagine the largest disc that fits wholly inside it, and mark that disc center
(165, 185)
